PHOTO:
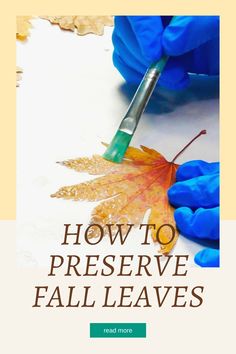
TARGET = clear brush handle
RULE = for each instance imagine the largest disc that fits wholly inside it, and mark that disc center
(142, 96)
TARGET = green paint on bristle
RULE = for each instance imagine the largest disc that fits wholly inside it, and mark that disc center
(117, 148)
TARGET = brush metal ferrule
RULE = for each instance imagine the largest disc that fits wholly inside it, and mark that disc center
(141, 97)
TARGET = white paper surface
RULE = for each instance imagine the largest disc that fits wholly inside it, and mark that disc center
(70, 99)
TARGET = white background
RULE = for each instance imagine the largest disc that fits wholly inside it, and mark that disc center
(70, 99)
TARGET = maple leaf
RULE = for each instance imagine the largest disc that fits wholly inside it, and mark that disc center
(128, 190)
(82, 24)
(22, 27)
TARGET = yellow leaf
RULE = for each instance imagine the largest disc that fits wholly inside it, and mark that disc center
(82, 24)
(127, 191)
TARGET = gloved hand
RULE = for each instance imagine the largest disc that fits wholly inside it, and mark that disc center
(196, 197)
(191, 41)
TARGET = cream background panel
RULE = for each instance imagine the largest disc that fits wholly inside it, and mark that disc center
(7, 32)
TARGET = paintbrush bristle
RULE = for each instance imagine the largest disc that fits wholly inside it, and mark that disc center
(118, 146)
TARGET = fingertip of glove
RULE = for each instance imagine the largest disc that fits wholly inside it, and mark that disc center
(178, 193)
(196, 168)
(130, 75)
(189, 170)
(182, 215)
(208, 258)
(148, 31)
(174, 76)
(172, 39)
(172, 84)
(173, 194)
(189, 32)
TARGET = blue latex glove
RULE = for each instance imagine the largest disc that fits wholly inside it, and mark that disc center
(196, 196)
(191, 41)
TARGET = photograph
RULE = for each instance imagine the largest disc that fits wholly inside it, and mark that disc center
(118, 131)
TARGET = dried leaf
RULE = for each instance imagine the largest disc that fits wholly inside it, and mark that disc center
(82, 24)
(22, 27)
(19, 71)
(128, 190)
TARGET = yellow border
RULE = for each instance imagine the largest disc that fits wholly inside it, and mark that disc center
(7, 83)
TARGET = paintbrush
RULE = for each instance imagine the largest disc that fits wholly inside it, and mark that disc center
(116, 150)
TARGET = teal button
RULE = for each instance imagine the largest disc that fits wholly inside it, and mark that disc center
(117, 330)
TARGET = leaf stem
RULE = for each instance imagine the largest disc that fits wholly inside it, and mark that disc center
(186, 146)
